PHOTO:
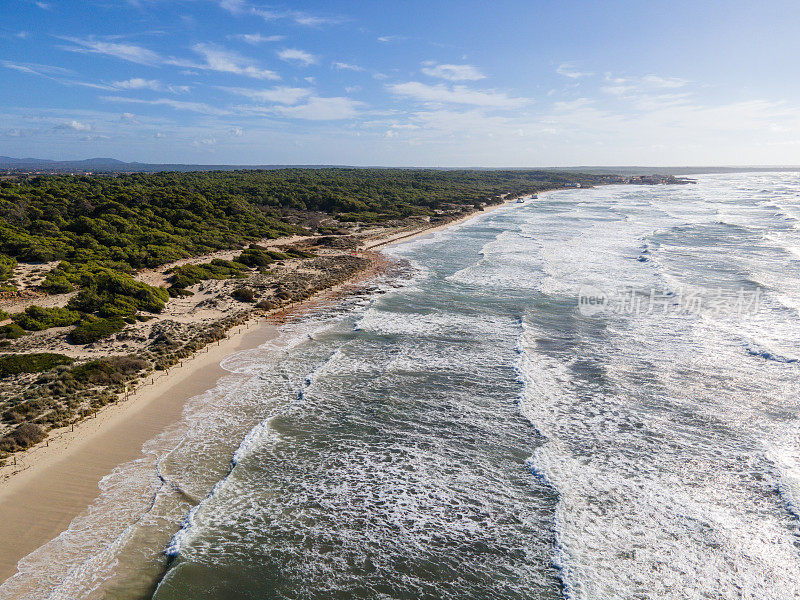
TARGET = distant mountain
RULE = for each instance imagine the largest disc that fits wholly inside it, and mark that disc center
(112, 165)
(14, 161)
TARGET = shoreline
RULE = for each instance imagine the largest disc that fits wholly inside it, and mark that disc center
(407, 236)
(39, 500)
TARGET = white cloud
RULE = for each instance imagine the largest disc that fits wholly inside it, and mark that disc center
(198, 107)
(138, 84)
(457, 94)
(208, 142)
(322, 109)
(343, 66)
(236, 131)
(650, 92)
(648, 83)
(452, 72)
(22, 35)
(257, 38)
(569, 70)
(226, 61)
(216, 58)
(295, 55)
(281, 95)
(74, 126)
(36, 69)
(386, 39)
(129, 52)
(236, 7)
(129, 118)
(664, 82)
(241, 7)
(315, 21)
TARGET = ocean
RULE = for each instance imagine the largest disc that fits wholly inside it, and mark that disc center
(591, 395)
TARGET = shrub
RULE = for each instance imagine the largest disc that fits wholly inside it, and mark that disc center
(12, 364)
(188, 275)
(7, 265)
(255, 257)
(109, 370)
(243, 294)
(12, 331)
(94, 329)
(298, 253)
(36, 318)
(114, 294)
(24, 436)
(56, 284)
(266, 305)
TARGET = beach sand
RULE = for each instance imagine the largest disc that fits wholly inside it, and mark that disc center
(61, 479)
(39, 503)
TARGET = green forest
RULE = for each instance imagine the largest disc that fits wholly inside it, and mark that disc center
(101, 229)
(141, 220)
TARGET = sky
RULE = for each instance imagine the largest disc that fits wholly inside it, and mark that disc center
(516, 83)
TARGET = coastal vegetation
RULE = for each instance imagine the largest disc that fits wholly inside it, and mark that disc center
(86, 241)
(132, 221)
(12, 364)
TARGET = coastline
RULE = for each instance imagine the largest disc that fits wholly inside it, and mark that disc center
(39, 502)
(60, 481)
(407, 236)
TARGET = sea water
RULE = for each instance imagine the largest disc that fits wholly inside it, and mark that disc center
(593, 395)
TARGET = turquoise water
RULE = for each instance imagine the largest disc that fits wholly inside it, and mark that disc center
(469, 431)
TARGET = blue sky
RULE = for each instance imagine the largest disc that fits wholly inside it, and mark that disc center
(407, 83)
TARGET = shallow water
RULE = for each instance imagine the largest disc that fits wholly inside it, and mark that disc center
(470, 432)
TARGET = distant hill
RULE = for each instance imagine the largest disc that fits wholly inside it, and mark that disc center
(112, 165)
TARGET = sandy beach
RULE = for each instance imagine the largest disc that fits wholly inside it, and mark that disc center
(62, 479)
(54, 483)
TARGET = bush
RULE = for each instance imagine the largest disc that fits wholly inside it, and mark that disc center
(7, 265)
(298, 253)
(24, 436)
(108, 371)
(36, 318)
(243, 294)
(56, 284)
(94, 329)
(12, 331)
(12, 364)
(116, 294)
(266, 305)
(255, 257)
(188, 275)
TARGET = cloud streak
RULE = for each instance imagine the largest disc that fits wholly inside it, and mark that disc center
(295, 55)
(256, 38)
(457, 94)
(452, 72)
(280, 95)
(128, 52)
